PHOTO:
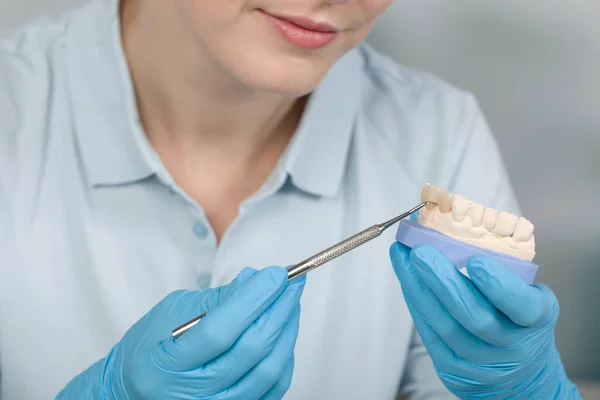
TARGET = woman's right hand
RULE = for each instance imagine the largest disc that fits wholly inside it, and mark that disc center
(242, 348)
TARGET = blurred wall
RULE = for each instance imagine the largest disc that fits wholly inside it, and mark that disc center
(535, 67)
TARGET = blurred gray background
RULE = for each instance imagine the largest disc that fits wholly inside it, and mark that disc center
(535, 67)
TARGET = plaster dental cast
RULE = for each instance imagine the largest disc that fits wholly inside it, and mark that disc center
(164, 159)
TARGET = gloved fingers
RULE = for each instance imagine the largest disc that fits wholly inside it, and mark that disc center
(187, 304)
(223, 325)
(263, 343)
(283, 384)
(226, 291)
(462, 342)
(270, 371)
(461, 298)
(442, 356)
(451, 368)
(526, 305)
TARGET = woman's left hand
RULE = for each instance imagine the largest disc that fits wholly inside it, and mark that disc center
(489, 336)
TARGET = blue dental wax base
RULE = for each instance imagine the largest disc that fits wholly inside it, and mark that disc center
(411, 233)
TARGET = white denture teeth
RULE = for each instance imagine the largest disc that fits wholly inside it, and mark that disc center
(460, 207)
(431, 194)
(477, 214)
(505, 224)
(445, 201)
(489, 218)
(523, 230)
(424, 192)
(472, 223)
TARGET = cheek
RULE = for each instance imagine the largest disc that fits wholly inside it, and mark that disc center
(374, 8)
(371, 10)
(360, 34)
(207, 15)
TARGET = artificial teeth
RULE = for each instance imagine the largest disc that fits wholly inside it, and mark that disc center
(445, 201)
(458, 217)
(477, 214)
(489, 218)
(505, 224)
(424, 192)
(431, 193)
(523, 230)
(460, 207)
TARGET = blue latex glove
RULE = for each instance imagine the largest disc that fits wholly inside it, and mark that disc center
(489, 337)
(243, 348)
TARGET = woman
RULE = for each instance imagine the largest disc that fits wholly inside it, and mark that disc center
(149, 151)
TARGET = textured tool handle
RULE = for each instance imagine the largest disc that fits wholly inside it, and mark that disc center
(333, 252)
(345, 246)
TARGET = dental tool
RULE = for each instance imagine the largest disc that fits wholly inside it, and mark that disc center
(325, 256)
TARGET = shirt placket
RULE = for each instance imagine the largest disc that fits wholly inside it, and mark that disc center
(224, 269)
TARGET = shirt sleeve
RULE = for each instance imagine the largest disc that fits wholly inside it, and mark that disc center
(472, 166)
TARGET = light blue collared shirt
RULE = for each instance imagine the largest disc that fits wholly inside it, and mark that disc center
(94, 232)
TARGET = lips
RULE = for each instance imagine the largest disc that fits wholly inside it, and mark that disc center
(302, 32)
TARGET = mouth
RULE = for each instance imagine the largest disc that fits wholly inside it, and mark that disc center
(302, 32)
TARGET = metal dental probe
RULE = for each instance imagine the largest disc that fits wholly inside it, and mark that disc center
(324, 256)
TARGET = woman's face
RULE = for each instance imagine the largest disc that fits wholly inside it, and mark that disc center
(283, 46)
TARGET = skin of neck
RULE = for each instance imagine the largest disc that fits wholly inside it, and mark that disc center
(188, 102)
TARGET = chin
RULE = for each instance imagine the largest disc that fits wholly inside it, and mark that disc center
(286, 82)
(284, 74)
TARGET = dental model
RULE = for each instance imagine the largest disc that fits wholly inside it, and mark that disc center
(464, 220)
(461, 229)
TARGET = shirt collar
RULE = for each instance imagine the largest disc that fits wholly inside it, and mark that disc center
(115, 150)
(319, 149)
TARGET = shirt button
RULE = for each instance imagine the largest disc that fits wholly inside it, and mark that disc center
(203, 281)
(172, 191)
(200, 230)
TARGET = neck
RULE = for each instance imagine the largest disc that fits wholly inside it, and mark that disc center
(187, 101)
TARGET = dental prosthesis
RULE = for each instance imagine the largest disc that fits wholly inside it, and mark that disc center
(461, 228)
